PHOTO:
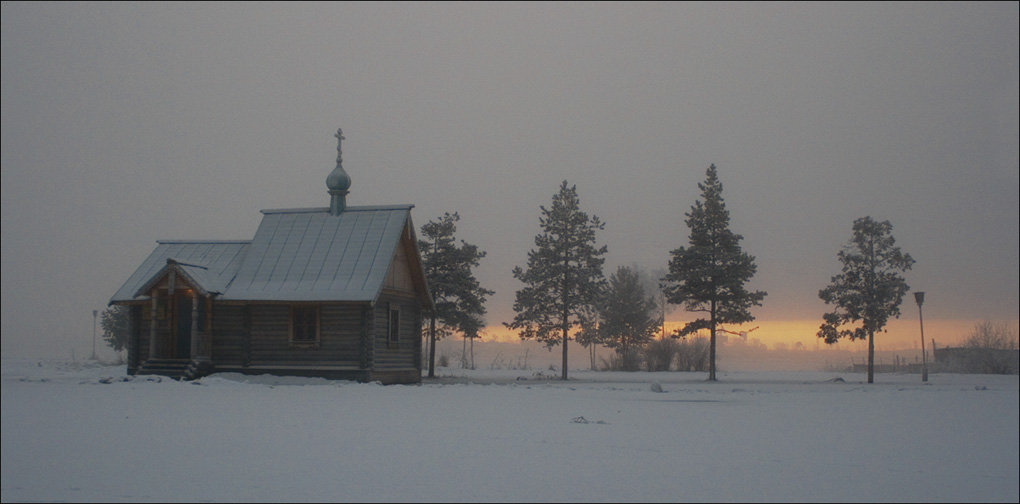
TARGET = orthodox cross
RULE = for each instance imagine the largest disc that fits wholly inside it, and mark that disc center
(339, 142)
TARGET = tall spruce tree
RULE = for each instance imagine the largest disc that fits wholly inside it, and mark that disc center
(564, 281)
(709, 275)
(628, 316)
(869, 289)
(458, 297)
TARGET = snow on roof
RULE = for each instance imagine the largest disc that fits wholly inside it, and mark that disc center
(209, 263)
(310, 255)
(296, 255)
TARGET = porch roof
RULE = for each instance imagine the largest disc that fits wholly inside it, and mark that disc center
(209, 264)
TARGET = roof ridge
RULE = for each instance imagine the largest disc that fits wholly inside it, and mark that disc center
(170, 242)
(362, 208)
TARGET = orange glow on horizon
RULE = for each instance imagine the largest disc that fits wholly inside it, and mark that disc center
(899, 334)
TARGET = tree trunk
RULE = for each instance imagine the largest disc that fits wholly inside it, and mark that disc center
(711, 346)
(432, 346)
(565, 329)
(871, 355)
(871, 302)
(566, 310)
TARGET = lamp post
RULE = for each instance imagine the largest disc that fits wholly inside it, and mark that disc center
(95, 313)
(919, 297)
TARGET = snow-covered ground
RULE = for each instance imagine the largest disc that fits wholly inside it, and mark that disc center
(74, 432)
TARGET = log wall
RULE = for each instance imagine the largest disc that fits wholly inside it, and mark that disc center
(406, 353)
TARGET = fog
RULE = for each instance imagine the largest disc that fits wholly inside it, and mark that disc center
(127, 123)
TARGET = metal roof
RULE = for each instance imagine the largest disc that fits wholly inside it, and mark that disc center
(310, 255)
(302, 254)
(210, 264)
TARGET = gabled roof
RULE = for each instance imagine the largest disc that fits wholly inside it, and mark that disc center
(208, 264)
(310, 255)
(296, 255)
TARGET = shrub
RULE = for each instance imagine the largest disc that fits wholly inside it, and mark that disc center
(988, 335)
(659, 354)
(693, 355)
(618, 362)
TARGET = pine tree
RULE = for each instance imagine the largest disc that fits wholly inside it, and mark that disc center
(115, 324)
(458, 297)
(628, 316)
(709, 275)
(564, 281)
(869, 289)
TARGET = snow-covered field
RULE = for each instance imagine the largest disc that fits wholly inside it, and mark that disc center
(74, 432)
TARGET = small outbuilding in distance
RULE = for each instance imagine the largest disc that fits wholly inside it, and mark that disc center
(336, 292)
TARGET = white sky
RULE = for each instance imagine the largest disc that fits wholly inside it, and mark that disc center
(127, 123)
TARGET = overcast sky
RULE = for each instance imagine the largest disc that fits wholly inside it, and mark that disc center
(128, 123)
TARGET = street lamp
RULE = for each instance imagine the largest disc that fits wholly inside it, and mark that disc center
(919, 297)
(95, 313)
